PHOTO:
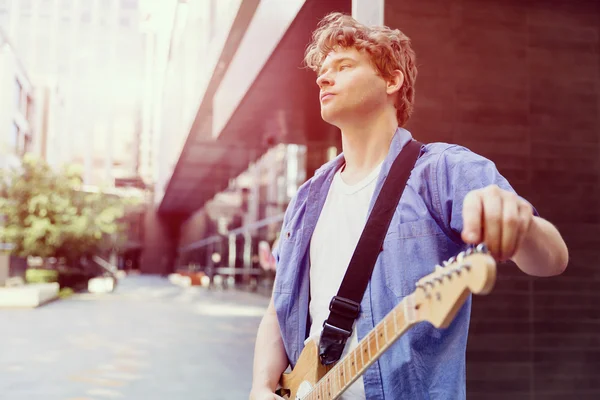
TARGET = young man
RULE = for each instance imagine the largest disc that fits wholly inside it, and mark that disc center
(453, 198)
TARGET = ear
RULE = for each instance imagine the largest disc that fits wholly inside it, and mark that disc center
(395, 82)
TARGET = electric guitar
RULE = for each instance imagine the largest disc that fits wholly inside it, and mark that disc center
(437, 298)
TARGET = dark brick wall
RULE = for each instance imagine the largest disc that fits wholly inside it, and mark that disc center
(518, 82)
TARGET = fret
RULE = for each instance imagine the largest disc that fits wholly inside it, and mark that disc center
(362, 353)
(339, 376)
(376, 339)
(355, 364)
(371, 352)
(385, 330)
(347, 371)
(342, 374)
(372, 345)
(409, 311)
(322, 391)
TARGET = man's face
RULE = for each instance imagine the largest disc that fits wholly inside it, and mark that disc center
(350, 86)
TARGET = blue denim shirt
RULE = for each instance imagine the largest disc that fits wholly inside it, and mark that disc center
(425, 363)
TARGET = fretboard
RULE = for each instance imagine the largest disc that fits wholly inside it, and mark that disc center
(356, 362)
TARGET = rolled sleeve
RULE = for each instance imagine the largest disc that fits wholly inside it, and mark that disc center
(459, 171)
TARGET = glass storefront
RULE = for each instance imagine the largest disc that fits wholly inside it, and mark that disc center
(242, 223)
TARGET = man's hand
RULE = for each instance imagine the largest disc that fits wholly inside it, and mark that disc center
(498, 218)
(263, 394)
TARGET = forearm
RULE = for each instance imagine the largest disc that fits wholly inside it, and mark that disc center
(542, 252)
(270, 359)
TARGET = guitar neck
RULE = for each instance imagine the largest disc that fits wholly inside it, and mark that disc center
(356, 362)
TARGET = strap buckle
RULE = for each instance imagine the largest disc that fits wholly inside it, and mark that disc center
(333, 338)
(332, 343)
(344, 307)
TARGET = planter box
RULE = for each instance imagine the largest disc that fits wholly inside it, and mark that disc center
(28, 296)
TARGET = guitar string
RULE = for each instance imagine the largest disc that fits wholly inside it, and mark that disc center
(372, 358)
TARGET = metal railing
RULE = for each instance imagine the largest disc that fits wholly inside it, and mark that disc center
(235, 266)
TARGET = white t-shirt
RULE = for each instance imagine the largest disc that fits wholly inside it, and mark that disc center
(336, 235)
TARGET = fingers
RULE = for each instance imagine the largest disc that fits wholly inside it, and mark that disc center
(472, 218)
(511, 228)
(498, 218)
(525, 218)
(492, 217)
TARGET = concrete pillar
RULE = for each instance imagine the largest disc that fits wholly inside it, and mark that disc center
(4, 265)
(368, 12)
(161, 240)
(232, 251)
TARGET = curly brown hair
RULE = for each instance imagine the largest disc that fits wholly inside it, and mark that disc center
(389, 50)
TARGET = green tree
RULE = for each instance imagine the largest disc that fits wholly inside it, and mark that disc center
(47, 214)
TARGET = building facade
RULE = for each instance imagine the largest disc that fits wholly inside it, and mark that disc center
(86, 59)
(17, 114)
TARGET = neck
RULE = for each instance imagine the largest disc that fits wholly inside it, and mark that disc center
(366, 142)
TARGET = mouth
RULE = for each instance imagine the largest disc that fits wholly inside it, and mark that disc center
(326, 95)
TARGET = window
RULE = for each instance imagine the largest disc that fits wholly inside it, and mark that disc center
(29, 110)
(25, 8)
(4, 17)
(125, 22)
(13, 140)
(17, 94)
(212, 19)
(46, 8)
(86, 17)
(24, 145)
(129, 4)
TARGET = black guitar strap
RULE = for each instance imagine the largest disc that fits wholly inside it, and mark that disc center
(345, 307)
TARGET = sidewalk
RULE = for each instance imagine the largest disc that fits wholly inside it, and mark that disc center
(150, 340)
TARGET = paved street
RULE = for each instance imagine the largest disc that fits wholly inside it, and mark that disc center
(148, 340)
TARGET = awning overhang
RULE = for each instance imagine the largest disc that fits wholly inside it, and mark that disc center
(280, 106)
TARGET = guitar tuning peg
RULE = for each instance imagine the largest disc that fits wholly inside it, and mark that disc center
(439, 268)
(481, 248)
(460, 256)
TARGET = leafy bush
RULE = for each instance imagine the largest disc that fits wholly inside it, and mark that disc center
(41, 275)
(47, 214)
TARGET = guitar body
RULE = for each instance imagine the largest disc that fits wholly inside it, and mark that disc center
(305, 375)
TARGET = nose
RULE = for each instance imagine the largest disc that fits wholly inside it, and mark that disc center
(324, 80)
